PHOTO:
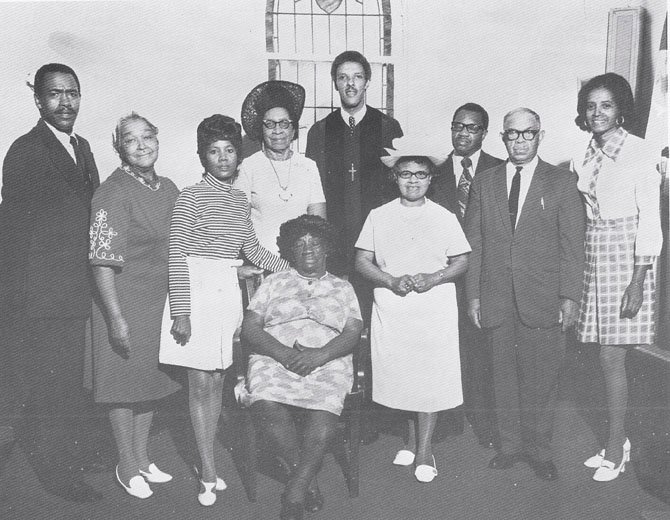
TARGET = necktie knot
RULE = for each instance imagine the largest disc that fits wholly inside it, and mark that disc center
(518, 170)
(466, 162)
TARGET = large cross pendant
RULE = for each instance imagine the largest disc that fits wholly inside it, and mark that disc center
(352, 171)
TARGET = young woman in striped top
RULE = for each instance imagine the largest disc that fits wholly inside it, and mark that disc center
(210, 227)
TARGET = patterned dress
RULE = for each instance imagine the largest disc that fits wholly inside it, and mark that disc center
(313, 312)
(620, 185)
(130, 226)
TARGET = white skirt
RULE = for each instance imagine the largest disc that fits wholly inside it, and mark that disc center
(216, 312)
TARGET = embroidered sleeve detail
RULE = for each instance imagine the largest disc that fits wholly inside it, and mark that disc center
(100, 239)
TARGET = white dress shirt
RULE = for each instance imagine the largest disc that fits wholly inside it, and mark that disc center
(358, 115)
(526, 178)
(64, 140)
(458, 167)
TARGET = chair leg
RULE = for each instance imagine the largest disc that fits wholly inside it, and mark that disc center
(251, 457)
(354, 450)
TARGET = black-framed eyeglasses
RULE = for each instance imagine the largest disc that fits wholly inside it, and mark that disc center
(283, 124)
(405, 174)
(513, 135)
(472, 127)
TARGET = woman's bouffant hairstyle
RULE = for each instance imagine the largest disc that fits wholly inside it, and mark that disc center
(123, 121)
(219, 128)
(294, 229)
(621, 92)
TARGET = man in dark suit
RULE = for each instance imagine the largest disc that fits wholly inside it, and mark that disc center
(49, 176)
(451, 188)
(346, 146)
(525, 223)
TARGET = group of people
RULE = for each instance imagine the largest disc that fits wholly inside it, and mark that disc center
(469, 270)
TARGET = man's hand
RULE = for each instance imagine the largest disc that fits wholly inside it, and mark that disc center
(567, 314)
(401, 285)
(473, 312)
(423, 282)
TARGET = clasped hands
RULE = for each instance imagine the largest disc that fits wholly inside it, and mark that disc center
(303, 360)
(422, 282)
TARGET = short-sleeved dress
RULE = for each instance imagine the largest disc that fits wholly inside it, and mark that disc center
(130, 225)
(313, 312)
(270, 205)
(414, 338)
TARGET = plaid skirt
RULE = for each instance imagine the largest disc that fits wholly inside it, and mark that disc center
(610, 259)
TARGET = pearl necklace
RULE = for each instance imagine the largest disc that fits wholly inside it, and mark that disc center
(153, 186)
(284, 194)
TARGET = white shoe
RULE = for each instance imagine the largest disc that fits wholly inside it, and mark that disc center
(220, 484)
(207, 497)
(425, 472)
(155, 475)
(137, 486)
(404, 458)
(607, 472)
(595, 461)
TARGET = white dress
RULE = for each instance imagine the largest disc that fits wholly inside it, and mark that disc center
(414, 339)
(269, 210)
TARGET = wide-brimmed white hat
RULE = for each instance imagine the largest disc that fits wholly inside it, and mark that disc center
(413, 146)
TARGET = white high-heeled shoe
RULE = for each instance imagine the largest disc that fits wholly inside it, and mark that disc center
(155, 475)
(137, 486)
(403, 458)
(607, 471)
(426, 472)
(595, 461)
(207, 497)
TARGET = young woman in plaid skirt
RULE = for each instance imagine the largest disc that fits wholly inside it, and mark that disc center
(620, 187)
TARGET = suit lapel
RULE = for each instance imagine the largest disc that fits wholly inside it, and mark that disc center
(63, 162)
(500, 191)
(533, 203)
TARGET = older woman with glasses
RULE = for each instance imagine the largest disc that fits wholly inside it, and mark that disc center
(280, 184)
(412, 250)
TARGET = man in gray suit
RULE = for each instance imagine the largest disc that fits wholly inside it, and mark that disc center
(525, 223)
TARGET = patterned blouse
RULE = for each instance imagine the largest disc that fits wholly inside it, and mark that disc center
(211, 220)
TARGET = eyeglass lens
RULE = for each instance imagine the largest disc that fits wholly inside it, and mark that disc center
(472, 127)
(408, 175)
(513, 135)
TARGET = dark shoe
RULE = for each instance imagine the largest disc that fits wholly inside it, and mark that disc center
(545, 470)
(75, 491)
(503, 461)
(291, 510)
(313, 500)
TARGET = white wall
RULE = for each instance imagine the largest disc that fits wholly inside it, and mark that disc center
(178, 62)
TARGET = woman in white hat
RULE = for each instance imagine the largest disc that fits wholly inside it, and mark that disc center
(412, 250)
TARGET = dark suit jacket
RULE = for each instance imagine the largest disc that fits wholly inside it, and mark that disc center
(444, 186)
(538, 264)
(44, 219)
(325, 145)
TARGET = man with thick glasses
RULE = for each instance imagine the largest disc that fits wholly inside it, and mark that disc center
(346, 146)
(49, 175)
(525, 224)
(451, 188)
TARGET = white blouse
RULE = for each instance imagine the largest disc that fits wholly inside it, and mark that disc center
(627, 187)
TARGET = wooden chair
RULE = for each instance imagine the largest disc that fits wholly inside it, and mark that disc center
(246, 447)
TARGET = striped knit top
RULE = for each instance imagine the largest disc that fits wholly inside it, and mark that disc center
(211, 220)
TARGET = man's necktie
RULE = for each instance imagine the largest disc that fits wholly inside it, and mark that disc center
(464, 185)
(80, 162)
(352, 124)
(514, 196)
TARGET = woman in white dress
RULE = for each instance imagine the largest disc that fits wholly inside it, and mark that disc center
(412, 250)
(280, 184)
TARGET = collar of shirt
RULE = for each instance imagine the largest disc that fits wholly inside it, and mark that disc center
(526, 177)
(458, 167)
(358, 116)
(612, 147)
(216, 183)
(64, 139)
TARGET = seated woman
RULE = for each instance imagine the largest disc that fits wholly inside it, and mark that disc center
(302, 326)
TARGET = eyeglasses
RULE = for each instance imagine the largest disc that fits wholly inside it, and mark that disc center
(283, 124)
(472, 128)
(513, 135)
(421, 175)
